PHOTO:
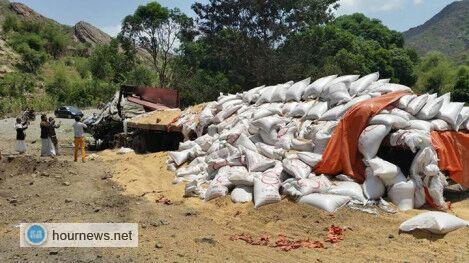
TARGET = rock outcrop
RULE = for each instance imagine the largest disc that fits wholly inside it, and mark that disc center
(87, 33)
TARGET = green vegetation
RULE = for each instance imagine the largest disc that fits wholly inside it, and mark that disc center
(54, 70)
(231, 46)
(439, 74)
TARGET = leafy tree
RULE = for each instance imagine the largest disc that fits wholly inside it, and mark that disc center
(267, 21)
(461, 88)
(141, 75)
(331, 49)
(370, 29)
(436, 74)
(155, 29)
(107, 63)
(242, 37)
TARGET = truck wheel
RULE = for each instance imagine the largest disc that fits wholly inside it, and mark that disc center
(139, 144)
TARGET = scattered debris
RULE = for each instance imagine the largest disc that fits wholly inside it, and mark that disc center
(163, 200)
(208, 240)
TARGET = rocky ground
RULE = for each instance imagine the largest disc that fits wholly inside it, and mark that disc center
(126, 188)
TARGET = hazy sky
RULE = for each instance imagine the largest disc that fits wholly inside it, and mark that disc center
(108, 14)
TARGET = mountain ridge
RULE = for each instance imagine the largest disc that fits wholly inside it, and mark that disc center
(446, 32)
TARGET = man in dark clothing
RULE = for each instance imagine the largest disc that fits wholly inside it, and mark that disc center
(20, 127)
(53, 136)
(47, 148)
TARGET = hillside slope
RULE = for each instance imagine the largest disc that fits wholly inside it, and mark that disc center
(446, 32)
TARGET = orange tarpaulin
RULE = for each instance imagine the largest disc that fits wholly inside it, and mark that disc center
(453, 154)
(341, 154)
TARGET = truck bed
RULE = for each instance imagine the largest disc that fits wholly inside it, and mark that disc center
(158, 120)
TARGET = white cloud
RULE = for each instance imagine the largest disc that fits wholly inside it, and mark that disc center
(352, 6)
(112, 30)
(417, 2)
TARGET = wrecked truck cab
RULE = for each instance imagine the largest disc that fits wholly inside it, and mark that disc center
(109, 127)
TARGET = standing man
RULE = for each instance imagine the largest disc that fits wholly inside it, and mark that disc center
(20, 127)
(53, 135)
(47, 148)
(78, 128)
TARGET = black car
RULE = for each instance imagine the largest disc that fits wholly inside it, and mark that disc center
(68, 112)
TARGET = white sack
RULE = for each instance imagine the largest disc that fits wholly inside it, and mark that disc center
(296, 168)
(266, 188)
(402, 195)
(430, 109)
(385, 170)
(280, 92)
(329, 203)
(219, 186)
(373, 187)
(314, 89)
(336, 94)
(311, 159)
(350, 189)
(462, 118)
(180, 157)
(391, 87)
(404, 101)
(435, 222)
(450, 113)
(390, 120)
(301, 109)
(270, 151)
(370, 140)
(346, 79)
(420, 125)
(268, 123)
(302, 145)
(417, 104)
(256, 162)
(332, 114)
(239, 175)
(361, 84)
(266, 95)
(244, 141)
(295, 92)
(401, 113)
(242, 194)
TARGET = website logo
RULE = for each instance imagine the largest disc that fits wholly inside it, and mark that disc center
(36, 234)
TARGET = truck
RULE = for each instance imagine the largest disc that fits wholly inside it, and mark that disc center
(109, 127)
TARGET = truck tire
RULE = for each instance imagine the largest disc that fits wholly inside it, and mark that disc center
(139, 144)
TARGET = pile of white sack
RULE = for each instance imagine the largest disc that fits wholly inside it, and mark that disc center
(264, 143)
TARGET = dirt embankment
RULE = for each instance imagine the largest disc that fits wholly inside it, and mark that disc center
(370, 238)
(124, 188)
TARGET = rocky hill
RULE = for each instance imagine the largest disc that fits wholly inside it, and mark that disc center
(446, 32)
(82, 32)
(86, 33)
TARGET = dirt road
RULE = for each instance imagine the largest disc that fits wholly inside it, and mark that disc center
(124, 188)
(8, 133)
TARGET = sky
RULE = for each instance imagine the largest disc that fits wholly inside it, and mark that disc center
(107, 15)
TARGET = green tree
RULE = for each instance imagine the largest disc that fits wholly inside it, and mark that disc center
(155, 29)
(242, 37)
(461, 87)
(107, 63)
(141, 75)
(436, 74)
